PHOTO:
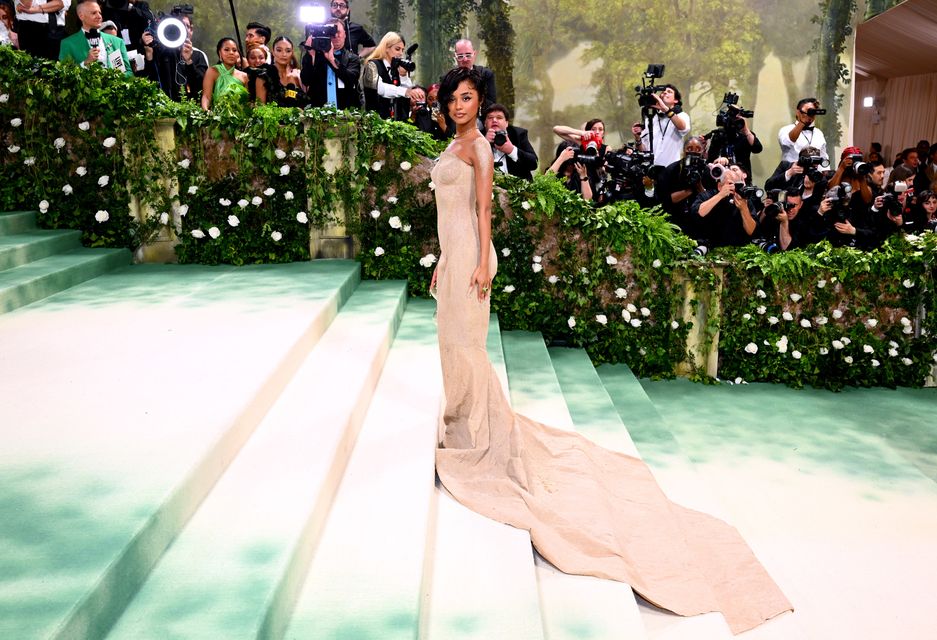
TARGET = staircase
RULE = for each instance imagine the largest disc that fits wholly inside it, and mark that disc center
(219, 452)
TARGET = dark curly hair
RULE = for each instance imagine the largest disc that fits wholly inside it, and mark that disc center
(451, 81)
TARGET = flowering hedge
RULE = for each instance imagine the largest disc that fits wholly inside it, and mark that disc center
(247, 185)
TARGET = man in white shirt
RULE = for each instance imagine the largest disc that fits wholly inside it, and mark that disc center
(670, 125)
(802, 133)
(41, 26)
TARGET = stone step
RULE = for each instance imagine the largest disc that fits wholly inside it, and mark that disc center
(236, 569)
(21, 248)
(572, 605)
(481, 581)
(366, 577)
(36, 280)
(125, 398)
(17, 222)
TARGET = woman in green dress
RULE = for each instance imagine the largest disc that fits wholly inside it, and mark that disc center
(224, 78)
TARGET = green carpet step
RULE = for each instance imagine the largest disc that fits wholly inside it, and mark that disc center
(20, 248)
(366, 577)
(573, 606)
(481, 578)
(34, 281)
(236, 569)
(125, 398)
(17, 222)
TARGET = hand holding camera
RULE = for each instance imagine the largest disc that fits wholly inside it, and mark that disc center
(499, 140)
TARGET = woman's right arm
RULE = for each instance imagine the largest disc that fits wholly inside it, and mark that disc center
(568, 133)
(208, 86)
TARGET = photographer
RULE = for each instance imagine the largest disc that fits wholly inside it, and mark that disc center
(722, 216)
(803, 133)
(789, 175)
(331, 76)
(573, 174)
(178, 71)
(513, 153)
(669, 125)
(853, 170)
(388, 87)
(680, 182)
(848, 219)
(780, 225)
(590, 140)
(733, 140)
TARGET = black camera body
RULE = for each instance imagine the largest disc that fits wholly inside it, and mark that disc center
(321, 37)
(406, 63)
(747, 191)
(500, 138)
(816, 112)
(646, 91)
(839, 197)
(182, 10)
(730, 116)
(814, 166)
(693, 168)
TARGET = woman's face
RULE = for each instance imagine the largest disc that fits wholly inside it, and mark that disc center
(229, 53)
(395, 50)
(256, 57)
(282, 52)
(463, 107)
(599, 128)
(432, 95)
(930, 206)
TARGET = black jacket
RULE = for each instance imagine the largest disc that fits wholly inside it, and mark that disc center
(314, 77)
(526, 162)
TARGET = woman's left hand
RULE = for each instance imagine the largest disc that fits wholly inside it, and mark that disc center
(480, 280)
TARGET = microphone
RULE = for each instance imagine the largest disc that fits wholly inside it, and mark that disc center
(94, 38)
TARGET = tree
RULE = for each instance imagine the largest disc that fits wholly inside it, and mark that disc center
(835, 26)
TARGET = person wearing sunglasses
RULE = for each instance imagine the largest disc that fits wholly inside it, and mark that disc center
(465, 57)
(358, 40)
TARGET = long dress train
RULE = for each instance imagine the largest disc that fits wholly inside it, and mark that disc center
(590, 511)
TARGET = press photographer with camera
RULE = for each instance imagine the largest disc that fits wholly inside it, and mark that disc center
(781, 226)
(680, 182)
(330, 71)
(172, 61)
(848, 219)
(388, 87)
(853, 169)
(663, 124)
(513, 153)
(723, 216)
(790, 175)
(803, 133)
(733, 139)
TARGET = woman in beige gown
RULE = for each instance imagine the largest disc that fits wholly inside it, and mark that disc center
(589, 511)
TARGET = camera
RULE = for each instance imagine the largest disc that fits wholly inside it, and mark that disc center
(693, 167)
(747, 191)
(647, 89)
(812, 166)
(168, 31)
(730, 116)
(591, 143)
(625, 170)
(321, 35)
(816, 112)
(716, 171)
(858, 167)
(500, 138)
(404, 63)
(890, 200)
(767, 245)
(182, 9)
(839, 198)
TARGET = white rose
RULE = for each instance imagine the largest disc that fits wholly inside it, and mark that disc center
(630, 307)
(907, 283)
(509, 288)
(257, 201)
(285, 170)
(805, 323)
(837, 314)
(103, 181)
(432, 185)
(428, 260)
(67, 189)
(645, 312)
(394, 222)
(243, 203)
(537, 259)
(782, 344)
(601, 319)
(81, 171)
(822, 320)
(58, 143)
(84, 126)
(296, 153)
(795, 354)
(375, 214)
(184, 163)
(868, 348)
(392, 200)
(224, 202)
(30, 161)
(761, 294)
(761, 310)
(405, 166)
(872, 322)
(892, 344)
(787, 316)
(288, 195)
(746, 316)
(821, 284)
(279, 153)
(537, 267)
(102, 216)
(302, 217)
(848, 359)
(377, 165)
(752, 348)
(164, 218)
(13, 148)
(626, 315)
(893, 352)
(772, 320)
(838, 345)
(214, 232)
(43, 206)
(15, 122)
(182, 209)
(906, 321)
(635, 322)
(907, 330)
(505, 252)
(192, 190)
(571, 321)
(796, 297)
(824, 351)
(875, 362)
(845, 340)
(4, 97)
(553, 279)
(111, 141)
(378, 251)
(233, 220)
(525, 205)
(406, 228)
(276, 236)
(611, 260)
(656, 264)
(198, 233)
(269, 191)
(674, 325)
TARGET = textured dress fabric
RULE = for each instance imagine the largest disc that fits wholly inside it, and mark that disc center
(589, 511)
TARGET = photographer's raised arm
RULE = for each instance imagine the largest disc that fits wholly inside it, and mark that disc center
(568, 133)
(726, 189)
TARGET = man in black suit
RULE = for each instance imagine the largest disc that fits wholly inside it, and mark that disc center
(332, 77)
(515, 156)
(465, 57)
(357, 39)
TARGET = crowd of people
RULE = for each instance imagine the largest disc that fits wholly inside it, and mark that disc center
(702, 181)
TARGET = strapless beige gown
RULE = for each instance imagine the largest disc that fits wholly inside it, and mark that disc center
(590, 511)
